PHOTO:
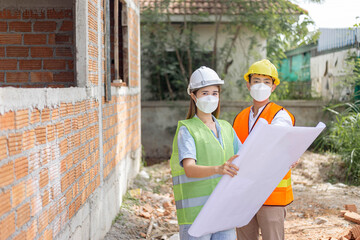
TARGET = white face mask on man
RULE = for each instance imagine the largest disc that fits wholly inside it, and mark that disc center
(207, 104)
(260, 91)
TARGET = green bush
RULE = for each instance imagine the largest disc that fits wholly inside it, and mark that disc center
(343, 137)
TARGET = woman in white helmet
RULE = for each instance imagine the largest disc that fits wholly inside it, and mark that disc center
(203, 151)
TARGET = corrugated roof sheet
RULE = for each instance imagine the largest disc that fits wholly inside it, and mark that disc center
(333, 38)
(193, 7)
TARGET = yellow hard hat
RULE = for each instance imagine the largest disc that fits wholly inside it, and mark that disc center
(263, 67)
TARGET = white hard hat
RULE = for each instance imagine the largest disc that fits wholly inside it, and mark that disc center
(203, 77)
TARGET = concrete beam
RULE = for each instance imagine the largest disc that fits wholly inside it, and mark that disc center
(36, 4)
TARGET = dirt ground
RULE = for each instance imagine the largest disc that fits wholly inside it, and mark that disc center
(148, 209)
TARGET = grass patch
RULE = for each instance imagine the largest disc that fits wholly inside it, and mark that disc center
(343, 137)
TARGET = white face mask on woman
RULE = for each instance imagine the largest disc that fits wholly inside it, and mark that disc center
(207, 104)
(260, 92)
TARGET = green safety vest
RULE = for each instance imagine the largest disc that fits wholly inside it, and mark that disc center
(191, 193)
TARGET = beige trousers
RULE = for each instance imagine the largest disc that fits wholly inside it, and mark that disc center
(271, 222)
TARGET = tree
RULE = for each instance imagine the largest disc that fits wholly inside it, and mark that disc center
(171, 50)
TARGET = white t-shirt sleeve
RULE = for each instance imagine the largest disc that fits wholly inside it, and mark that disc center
(282, 118)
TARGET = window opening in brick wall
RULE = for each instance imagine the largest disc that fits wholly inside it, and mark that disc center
(37, 47)
(119, 44)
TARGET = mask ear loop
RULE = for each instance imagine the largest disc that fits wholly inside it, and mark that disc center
(188, 90)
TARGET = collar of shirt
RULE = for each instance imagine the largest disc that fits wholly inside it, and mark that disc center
(252, 119)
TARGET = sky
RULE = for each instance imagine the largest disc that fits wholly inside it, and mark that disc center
(332, 13)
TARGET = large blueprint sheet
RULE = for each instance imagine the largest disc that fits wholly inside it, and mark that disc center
(264, 159)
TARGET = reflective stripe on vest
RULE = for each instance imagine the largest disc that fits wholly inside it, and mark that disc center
(191, 193)
(282, 195)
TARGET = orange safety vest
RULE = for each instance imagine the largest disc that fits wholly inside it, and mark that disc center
(282, 195)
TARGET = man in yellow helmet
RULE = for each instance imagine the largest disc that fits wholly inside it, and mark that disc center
(262, 79)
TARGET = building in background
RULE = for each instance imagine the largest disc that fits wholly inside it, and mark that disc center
(228, 23)
(70, 136)
(321, 70)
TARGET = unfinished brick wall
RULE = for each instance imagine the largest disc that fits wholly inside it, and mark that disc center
(37, 47)
(49, 167)
(60, 163)
(121, 135)
(50, 161)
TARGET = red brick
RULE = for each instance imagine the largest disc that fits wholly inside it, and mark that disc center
(55, 64)
(3, 148)
(40, 135)
(67, 26)
(35, 116)
(31, 187)
(8, 64)
(64, 77)
(41, 52)
(17, 77)
(64, 52)
(60, 129)
(20, 236)
(18, 194)
(50, 133)
(63, 146)
(21, 167)
(53, 211)
(20, 26)
(10, 14)
(32, 230)
(92, 22)
(353, 217)
(15, 143)
(7, 226)
(2, 52)
(30, 64)
(5, 200)
(70, 64)
(29, 139)
(34, 39)
(43, 220)
(45, 198)
(71, 210)
(41, 77)
(23, 215)
(44, 178)
(10, 38)
(35, 205)
(2, 77)
(59, 13)
(45, 115)
(351, 207)
(6, 174)
(48, 233)
(34, 14)
(51, 38)
(17, 51)
(21, 118)
(7, 121)
(3, 26)
(55, 114)
(46, 26)
(62, 38)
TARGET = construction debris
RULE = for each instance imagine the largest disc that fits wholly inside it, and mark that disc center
(353, 217)
(314, 214)
(351, 208)
(148, 210)
(350, 214)
(352, 234)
